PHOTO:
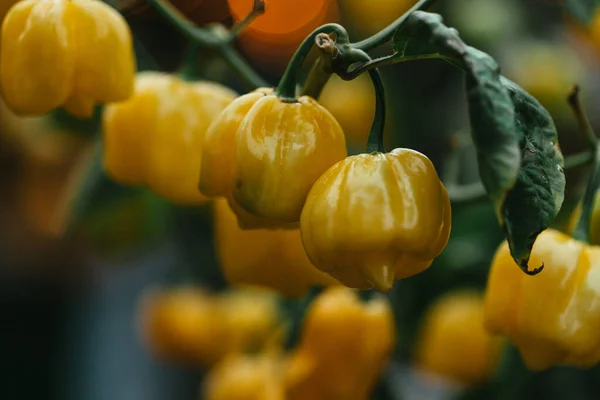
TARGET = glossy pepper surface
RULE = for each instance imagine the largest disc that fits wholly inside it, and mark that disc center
(374, 218)
(344, 346)
(453, 341)
(273, 258)
(190, 326)
(245, 377)
(553, 317)
(155, 138)
(65, 53)
(264, 155)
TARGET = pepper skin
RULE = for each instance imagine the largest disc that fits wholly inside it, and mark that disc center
(155, 137)
(374, 218)
(264, 155)
(454, 343)
(271, 258)
(594, 231)
(344, 346)
(245, 377)
(65, 53)
(553, 317)
(189, 326)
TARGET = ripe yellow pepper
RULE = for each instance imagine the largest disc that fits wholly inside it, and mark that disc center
(65, 53)
(264, 155)
(374, 218)
(188, 325)
(453, 341)
(553, 317)
(245, 377)
(155, 137)
(271, 258)
(357, 110)
(594, 222)
(344, 346)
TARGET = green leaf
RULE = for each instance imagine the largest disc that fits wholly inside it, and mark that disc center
(582, 10)
(519, 162)
(537, 196)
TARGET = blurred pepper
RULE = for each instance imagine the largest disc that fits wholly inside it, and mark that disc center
(344, 346)
(188, 325)
(352, 103)
(155, 137)
(272, 38)
(271, 258)
(368, 18)
(553, 317)
(594, 222)
(245, 377)
(453, 341)
(264, 155)
(65, 53)
(374, 218)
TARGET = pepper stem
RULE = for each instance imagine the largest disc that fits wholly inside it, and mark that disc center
(582, 231)
(189, 70)
(375, 140)
(286, 90)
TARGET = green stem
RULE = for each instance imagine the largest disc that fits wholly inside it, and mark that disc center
(189, 70)
(286, 90)
(387, 33)
(375, 140)
(582, 231)
(317, 77)
(185, 26)
(257, 9)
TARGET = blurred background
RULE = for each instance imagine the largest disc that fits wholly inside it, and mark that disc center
(70, 304)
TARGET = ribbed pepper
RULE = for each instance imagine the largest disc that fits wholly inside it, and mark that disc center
(374, 218)
(155, 138)
(65, 53)
(553, 317)
(264, 154)
(271, 258)
(453, 341)
(344, 346)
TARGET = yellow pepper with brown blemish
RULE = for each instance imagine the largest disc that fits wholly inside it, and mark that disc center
(344, 346)
(553, 317)
(453, 341)
(265, 257)
(264, 154)
(65, 53)
(155, 138)
(374, 218)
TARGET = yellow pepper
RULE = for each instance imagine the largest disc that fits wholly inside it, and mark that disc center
(453, 341)
(245, 377)
(271, 258)
(344, 346)
(594, 222)
(65, 53)
(190, 326)
(264, 154)
(155, 137)
(553, 317)
(374, 218)
(352, 103)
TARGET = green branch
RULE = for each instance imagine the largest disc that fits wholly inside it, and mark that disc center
(375, 140)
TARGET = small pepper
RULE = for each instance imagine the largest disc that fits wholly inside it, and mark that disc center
(344, 346)
(374, 218)
(553, 317)
(191, 326)
(65, 53)
(264, 154)
(155, 137)
(271, 258)
(453, 341)
(245, 377)
(594, 232)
